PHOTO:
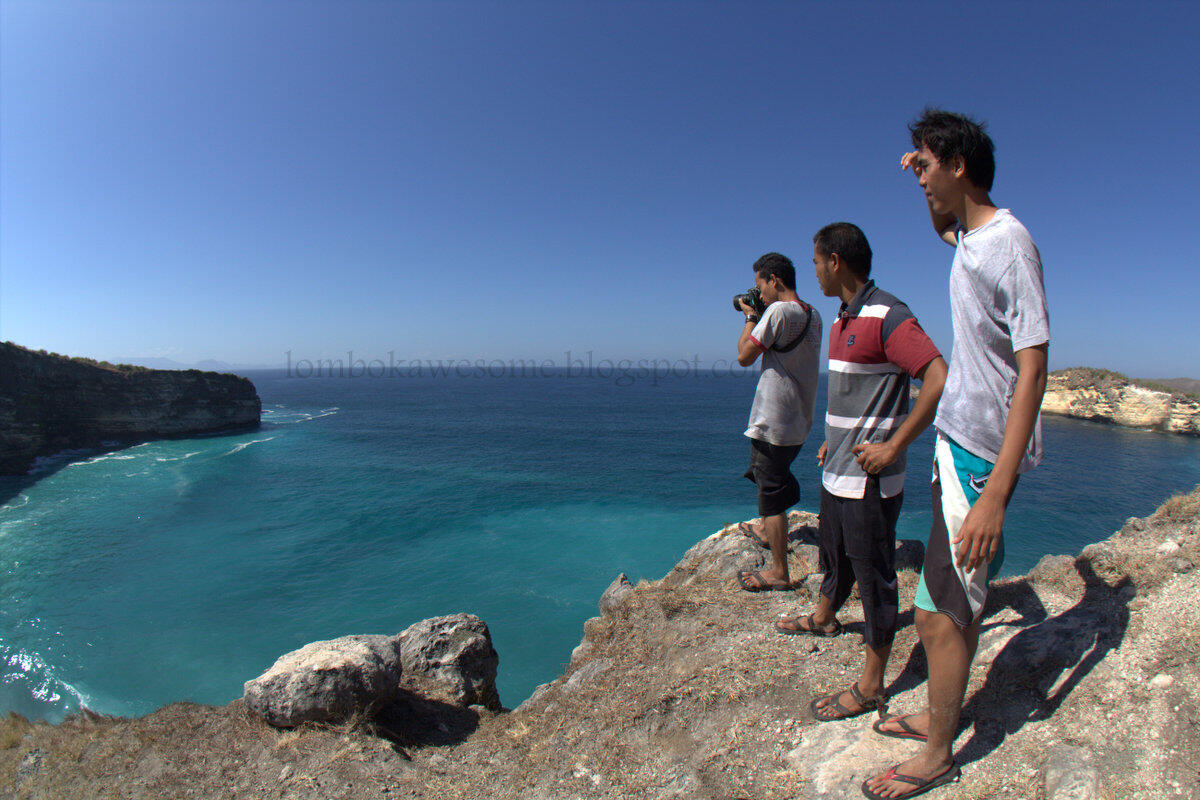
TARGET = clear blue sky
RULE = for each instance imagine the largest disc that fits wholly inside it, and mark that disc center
(234, 180)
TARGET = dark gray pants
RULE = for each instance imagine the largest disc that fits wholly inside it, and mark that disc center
(771, 471)
(858, 543)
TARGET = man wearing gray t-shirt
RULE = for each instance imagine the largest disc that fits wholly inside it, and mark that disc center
(788, 337)
(988, 427)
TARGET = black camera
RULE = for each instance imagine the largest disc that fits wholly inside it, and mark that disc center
(752, 298)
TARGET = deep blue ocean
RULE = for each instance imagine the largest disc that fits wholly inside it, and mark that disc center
(177, 570)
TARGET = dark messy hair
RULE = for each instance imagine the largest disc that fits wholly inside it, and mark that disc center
(949, 135)
(780, 266)
(849, 242)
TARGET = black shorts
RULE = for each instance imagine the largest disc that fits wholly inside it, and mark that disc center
(770, 470)
(858, 544)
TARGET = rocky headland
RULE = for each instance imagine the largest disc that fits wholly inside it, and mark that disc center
(1086, 685)
(50, 403)
(1104, 396)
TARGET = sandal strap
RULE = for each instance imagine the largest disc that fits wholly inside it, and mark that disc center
(918, 782)
(892, 775)
(819, 630)
(875, 701)
(834, 702)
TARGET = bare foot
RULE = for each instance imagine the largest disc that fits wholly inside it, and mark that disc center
(921, 767)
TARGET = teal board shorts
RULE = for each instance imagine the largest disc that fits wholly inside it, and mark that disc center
(945, 588)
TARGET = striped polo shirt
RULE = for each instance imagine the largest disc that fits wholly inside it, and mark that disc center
(874, 346)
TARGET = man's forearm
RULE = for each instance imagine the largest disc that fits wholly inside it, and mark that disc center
(1022, 416)
(748, 350)
(745, 337)
(942, 223)
(924, 410)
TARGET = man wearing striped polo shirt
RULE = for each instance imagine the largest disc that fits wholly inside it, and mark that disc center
(875, 346)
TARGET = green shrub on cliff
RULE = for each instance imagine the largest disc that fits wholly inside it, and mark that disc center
(1105, 379)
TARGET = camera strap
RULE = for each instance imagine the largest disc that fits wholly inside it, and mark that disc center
(787, 348)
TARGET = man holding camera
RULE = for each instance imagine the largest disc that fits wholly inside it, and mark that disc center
(787, 334)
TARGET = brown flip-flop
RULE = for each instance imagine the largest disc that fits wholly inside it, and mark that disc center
(812, 630)
(746, 530)
(753, 581)
(876, 702)
(909, 731)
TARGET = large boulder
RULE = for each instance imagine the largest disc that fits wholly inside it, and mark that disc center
(452, 659)
(328, 681)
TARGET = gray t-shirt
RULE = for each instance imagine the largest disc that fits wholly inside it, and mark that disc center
(782, 412)
(998, 305)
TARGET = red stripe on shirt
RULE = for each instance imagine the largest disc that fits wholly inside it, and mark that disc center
(866, 348)
(910, 348)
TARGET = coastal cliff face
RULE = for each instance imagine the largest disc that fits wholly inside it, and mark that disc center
(50, 403)
(1086, 686)
(1106, 397)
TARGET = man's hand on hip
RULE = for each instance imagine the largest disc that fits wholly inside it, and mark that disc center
(874, 456)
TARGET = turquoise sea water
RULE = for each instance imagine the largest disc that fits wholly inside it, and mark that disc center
(177, 570)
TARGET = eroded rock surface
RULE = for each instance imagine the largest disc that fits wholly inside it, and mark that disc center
(328, 681)
(1097, 395)
(448, 659)
(452, 658)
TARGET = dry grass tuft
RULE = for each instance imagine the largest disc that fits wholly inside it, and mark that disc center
(12, 729)
(1181, 507)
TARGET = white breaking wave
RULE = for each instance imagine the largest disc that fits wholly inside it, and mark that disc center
(244, 445)
(44, 684)
(180, 458)
(301, 416)
(98, 459)
(24, 498)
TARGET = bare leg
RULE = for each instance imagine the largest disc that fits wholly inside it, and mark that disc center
(776, 530)
(949, 666)
(920, 721)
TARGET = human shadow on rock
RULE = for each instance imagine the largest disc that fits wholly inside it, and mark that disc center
(1018, 596)
(1038, 668)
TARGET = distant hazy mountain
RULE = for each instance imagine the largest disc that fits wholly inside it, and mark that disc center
(1185, 385)
(207, 364)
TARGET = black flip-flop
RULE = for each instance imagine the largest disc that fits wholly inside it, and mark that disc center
(876, 702)
(811, 630)
(745, 529)
(909, 731)
(951, 775)
(761, 586)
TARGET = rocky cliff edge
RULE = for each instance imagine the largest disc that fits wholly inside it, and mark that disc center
(1086, 686)
(50, 403)
(1104, 396)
